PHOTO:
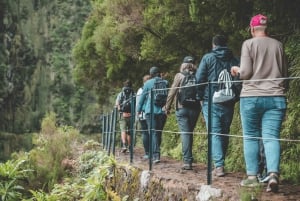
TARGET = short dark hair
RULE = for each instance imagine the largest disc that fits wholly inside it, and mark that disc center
(127, 83)
(154, 71)
(219, 40)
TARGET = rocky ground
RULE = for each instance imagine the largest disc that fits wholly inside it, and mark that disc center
(169, 172)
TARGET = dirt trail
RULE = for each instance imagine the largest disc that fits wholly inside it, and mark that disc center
(170, 170)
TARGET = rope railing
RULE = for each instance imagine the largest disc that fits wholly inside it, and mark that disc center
(109, 130)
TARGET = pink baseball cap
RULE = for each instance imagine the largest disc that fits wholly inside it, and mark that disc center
(258, 20)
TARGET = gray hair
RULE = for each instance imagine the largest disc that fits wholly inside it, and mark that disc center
(187, 67)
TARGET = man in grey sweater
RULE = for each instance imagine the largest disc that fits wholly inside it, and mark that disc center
(263, 101)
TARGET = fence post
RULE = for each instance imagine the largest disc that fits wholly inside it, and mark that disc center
(209, 137)
(110, 132)
(103, 131)
(107, 131)
(115, 112)
(132, 133)
(151, 133)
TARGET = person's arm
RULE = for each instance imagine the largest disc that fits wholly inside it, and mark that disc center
(142, 98)
(117, 103)
(246, 67)
(138, 97)
(202, 77)
(172, 92)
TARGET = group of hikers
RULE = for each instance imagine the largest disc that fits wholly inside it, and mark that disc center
(260, 93)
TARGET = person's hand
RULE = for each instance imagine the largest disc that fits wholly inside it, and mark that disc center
(235, 70)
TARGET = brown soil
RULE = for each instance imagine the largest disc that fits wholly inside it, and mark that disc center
(170, 170)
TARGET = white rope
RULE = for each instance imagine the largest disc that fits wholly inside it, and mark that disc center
(230, 135)
(220, 134)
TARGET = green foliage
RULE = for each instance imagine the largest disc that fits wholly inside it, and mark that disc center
(170, 138)
(88, 181)
(53, 145)
(38, 37)
(12, 175)
(291, 128)
(248, 195)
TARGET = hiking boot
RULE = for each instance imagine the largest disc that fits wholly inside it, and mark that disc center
(273, 183)
(187, 167)
(250, 182)
(219, 171)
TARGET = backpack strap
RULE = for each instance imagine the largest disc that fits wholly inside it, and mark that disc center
(184, 73)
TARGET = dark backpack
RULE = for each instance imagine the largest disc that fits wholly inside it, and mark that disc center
(125, 100)
(187, 95)
(160, 92)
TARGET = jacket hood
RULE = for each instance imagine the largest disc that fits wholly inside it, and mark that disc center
(222, 53)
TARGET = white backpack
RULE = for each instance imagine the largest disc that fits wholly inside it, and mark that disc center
(224, 92)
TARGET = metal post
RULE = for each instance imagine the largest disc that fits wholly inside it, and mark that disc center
(114, 130)
(107, 131)
(110, 132)
(151, 129)
(103, 131)
(209, 137)
(132, 133)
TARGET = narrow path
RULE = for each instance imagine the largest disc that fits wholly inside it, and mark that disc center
(170, 170)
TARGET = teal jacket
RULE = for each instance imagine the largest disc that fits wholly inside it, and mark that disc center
(146, 99)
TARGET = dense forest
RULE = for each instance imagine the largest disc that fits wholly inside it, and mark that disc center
(67, 59)
(44, 67)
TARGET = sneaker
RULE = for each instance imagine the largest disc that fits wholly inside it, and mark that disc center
(263, 179)
(273, 183)
(124, 149)
(156, 160)
(250, 182)
(219, 171)
(186, 167)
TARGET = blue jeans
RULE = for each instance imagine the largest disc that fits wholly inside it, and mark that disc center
(262, 117)
(158, 125)
(145, 135)
(187, 119)
(221, 119)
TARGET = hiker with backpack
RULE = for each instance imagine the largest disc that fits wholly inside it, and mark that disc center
(187, 107)
(123, 104)
(210, 67)
(158, 86)
(141, 118)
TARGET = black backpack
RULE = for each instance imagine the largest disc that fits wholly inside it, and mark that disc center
(125, 100)
(160, 92)
(187, 95)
